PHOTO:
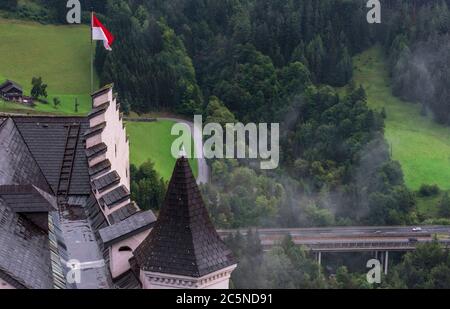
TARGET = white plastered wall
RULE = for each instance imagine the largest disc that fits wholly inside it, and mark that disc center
(114, 136)
(119, 260)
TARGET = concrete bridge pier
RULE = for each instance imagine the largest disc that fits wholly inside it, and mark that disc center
(383, 258)
(318, 256)
(386, 262)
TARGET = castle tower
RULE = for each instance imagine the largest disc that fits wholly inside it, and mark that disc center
(184, 250)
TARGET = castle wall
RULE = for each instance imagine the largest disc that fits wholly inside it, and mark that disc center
(119, 259)
(114, 136)
(107, 127)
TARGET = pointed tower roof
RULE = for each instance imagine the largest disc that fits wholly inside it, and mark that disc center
(184, 241)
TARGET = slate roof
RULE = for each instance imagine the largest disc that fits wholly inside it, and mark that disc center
(127, 281)
(98, 110)
(24, 251)
(27, 199)
(46, 138)
(183, 241)
(99, 167)
(106, 181)
(116, 196)
(133, 225)
(122, 213)
(96, 150)
(95, 130)
(96, 216)
(10, 280)
(102, 90)
(17, 164)
(77, 200)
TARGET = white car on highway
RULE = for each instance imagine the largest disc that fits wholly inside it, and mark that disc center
(417, 229)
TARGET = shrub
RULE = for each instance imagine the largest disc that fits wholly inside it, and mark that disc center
(429, 190)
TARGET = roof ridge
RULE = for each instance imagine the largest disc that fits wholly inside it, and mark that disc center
(48, 197)
(52, 116)
(103, 89)
(12, 82)
(2, 122)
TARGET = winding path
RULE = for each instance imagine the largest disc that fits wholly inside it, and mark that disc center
(203, 169)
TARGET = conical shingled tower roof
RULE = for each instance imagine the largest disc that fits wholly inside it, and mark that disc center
(184, 241)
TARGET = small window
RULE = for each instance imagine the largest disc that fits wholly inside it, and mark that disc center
(115, 147)
(125, 249)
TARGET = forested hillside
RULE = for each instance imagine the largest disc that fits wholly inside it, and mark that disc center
(263, 60)
(239, 50)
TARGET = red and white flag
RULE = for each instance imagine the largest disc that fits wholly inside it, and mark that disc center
(100, 33)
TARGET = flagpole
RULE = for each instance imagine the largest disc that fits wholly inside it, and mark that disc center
(92, 54)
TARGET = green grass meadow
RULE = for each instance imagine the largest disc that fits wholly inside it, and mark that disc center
(152, 140)
(59, 54)
(421, 145)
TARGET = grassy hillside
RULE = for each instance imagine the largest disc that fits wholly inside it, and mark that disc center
(421, 145)
(60, 54)
(153, 141)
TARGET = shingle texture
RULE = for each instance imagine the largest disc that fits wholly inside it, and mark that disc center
(46, 138)
(17, 164)
(98, 110)
(24, 251)
(133, 225)
(27, 199)
(183, 241)
(106, 181)
(99, 167)
(96, 217)
(95, 130)
(116, 196)
(96, 150)
(122, 213)
(127, 281)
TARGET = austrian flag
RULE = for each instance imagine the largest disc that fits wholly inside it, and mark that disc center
(100, 33)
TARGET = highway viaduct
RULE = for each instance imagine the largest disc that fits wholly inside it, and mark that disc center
(379, 240)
